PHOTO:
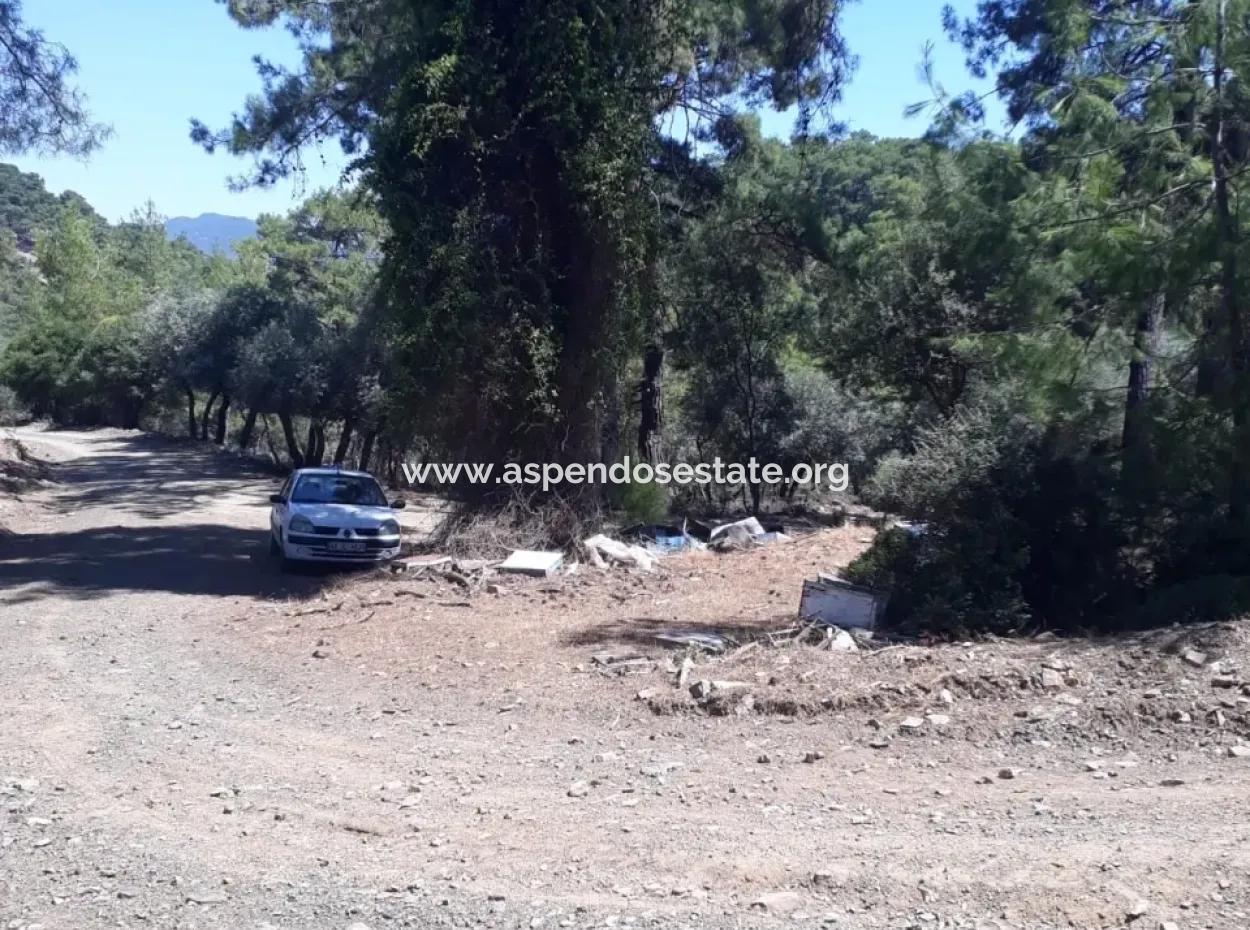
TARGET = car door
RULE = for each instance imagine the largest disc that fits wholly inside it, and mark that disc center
(277, 513)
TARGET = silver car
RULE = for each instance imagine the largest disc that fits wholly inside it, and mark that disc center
(332, 515)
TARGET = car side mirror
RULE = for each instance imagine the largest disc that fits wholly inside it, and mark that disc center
(275, 499)
(398, 504)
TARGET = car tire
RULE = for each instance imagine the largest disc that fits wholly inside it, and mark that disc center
(274, 547)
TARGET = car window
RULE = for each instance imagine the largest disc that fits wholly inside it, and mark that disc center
(338, 489)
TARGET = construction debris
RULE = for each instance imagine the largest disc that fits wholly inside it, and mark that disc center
(531, 562)
(703, 689)
(608, 550)
(830, 600)
(418, 563)
(751, 526)
(632, 663)
(709, 642)
(737, 535)
(663, 538)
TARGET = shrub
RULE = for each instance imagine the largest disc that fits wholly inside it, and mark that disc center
(12, 410)
(643, 501)
(1021, 530)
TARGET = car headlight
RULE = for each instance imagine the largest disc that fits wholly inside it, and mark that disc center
(301, 525)
(389, 528)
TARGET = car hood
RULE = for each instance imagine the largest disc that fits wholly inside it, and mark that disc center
(344, 515)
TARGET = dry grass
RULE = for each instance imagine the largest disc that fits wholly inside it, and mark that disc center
(524, 522)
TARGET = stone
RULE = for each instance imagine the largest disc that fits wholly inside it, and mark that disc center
(206, 897)
(579, 789)
(320, 654)
(1052, 679)
(938, 720)
(778, 902)
(1008, 774)
(842, 641)
(911, 723)
(703, 689)
(1239, 752)
(1225, 681)
(813, 756)
(1194, 657)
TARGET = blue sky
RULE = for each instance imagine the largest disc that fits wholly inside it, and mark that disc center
(148, 66)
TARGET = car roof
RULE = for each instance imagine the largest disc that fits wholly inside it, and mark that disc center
(300, 472)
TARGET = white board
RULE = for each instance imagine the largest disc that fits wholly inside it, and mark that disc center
(529, 562)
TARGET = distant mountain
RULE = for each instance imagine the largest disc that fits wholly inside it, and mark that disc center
(212, 232)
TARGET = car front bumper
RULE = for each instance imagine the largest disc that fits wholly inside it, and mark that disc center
(327, 549)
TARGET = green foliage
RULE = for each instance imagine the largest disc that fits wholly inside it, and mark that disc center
(831, 424)
(20, 289)
(642, 501)
(12, 410)
(1019, 530)
(1037, 346)
(40, 109)
(27, 209)
(511, 146)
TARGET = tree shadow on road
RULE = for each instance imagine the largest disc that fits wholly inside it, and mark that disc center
(207, 559)
(155, 477)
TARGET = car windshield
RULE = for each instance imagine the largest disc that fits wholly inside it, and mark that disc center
(338, 489)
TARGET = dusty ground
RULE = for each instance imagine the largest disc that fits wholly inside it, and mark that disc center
(190, 739)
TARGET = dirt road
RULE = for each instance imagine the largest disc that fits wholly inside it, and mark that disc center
(190, 739)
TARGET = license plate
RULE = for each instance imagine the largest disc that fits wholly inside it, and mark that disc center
(346, 546)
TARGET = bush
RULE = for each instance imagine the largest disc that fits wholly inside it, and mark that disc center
(643, 501)
(12, 410)
(830, 424)
(1210, 597)
(1021, 530)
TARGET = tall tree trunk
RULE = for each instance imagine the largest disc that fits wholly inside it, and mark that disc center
(208, 409)
(292, 444)
(314, 449)
(222, 412)
(267, 438)
(1145, 346)
(1229, 305)
(585, 373)
(191, 424)
(249, 426)
(650, 407)
(133, 413)
(366, 449)
(345, 441)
